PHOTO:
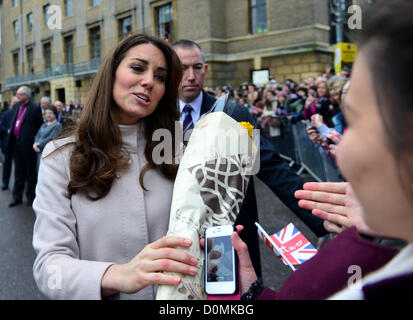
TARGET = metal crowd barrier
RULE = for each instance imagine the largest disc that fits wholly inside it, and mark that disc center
(284, 144)
(295, 146)
(310, 157)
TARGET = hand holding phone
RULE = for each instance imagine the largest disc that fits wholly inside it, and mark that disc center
(221, 270)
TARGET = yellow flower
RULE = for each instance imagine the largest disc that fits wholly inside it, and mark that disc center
(247, 126)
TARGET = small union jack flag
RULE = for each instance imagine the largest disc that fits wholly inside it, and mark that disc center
(289, 244)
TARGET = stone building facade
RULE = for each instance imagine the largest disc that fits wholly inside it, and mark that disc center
(56, 46)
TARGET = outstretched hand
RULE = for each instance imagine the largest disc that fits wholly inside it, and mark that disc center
(336, 204)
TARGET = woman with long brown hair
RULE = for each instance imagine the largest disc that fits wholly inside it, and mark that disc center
(102, 203)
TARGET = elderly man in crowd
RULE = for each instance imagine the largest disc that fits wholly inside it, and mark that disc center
(60, 107)
(44, 102)
(26, 121)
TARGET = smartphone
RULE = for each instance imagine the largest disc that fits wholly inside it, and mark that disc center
(310, 125)
(221, 261)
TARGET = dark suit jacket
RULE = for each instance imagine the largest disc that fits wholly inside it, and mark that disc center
(32, 121)
(278, 176)
(5, 120)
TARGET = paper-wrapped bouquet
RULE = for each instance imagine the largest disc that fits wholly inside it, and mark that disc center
(209, 188)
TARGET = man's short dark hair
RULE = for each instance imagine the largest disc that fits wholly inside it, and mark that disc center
(187, 44)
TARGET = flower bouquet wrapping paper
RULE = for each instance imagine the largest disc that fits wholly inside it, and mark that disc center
(209, 190)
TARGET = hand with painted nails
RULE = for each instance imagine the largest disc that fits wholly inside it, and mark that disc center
(336, 204)
(147, 267)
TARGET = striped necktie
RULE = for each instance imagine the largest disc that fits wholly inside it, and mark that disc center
(188, 121)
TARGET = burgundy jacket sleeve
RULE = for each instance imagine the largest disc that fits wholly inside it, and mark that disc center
(328, 271)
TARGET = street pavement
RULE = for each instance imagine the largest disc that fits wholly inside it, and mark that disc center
(16, 251)
(17, 254)
(273, 215)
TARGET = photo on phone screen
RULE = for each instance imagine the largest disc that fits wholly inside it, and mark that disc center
(220, 259)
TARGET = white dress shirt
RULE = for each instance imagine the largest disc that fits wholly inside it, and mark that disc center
(196, 109)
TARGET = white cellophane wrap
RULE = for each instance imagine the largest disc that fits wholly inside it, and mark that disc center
(209, 190)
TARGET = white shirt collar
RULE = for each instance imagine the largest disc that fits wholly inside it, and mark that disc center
(196, 106)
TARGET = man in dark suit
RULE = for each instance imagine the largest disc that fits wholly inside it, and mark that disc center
(61, 113)
(274, 172)
(26, 121)
(5, 121)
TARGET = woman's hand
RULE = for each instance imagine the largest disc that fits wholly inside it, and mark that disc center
(246, 270)
(317, 120)
(332, 149)
(247, 274)
(336, 203)
(314, 135)
(145, 269)
(309, 101)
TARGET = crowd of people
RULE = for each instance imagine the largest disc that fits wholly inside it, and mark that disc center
(102, 204)
(317, 100)
(26, 128)
(375, 156)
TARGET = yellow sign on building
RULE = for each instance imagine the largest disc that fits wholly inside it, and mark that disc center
(345, 53)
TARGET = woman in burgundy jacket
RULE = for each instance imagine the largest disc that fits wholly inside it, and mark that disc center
(376, 157)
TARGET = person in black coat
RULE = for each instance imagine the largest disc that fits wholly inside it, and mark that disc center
(274, 172)
(5, 121)
(26, 121)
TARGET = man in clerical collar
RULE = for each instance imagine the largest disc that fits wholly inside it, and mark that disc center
(26, 121)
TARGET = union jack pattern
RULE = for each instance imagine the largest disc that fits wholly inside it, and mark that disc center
(295, 247)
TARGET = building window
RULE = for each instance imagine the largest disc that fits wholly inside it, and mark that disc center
(68, 8)
(14, 3)
(94, 36)
(68, 43)
(16, 28)
(93, 3)
(125, 27)
(46, 13)
(164, 22)
(30, 22)
(16, 63)
(258, 16)
(47, 56)
(30, 60)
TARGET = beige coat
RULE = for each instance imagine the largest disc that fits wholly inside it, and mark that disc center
(76, 239)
